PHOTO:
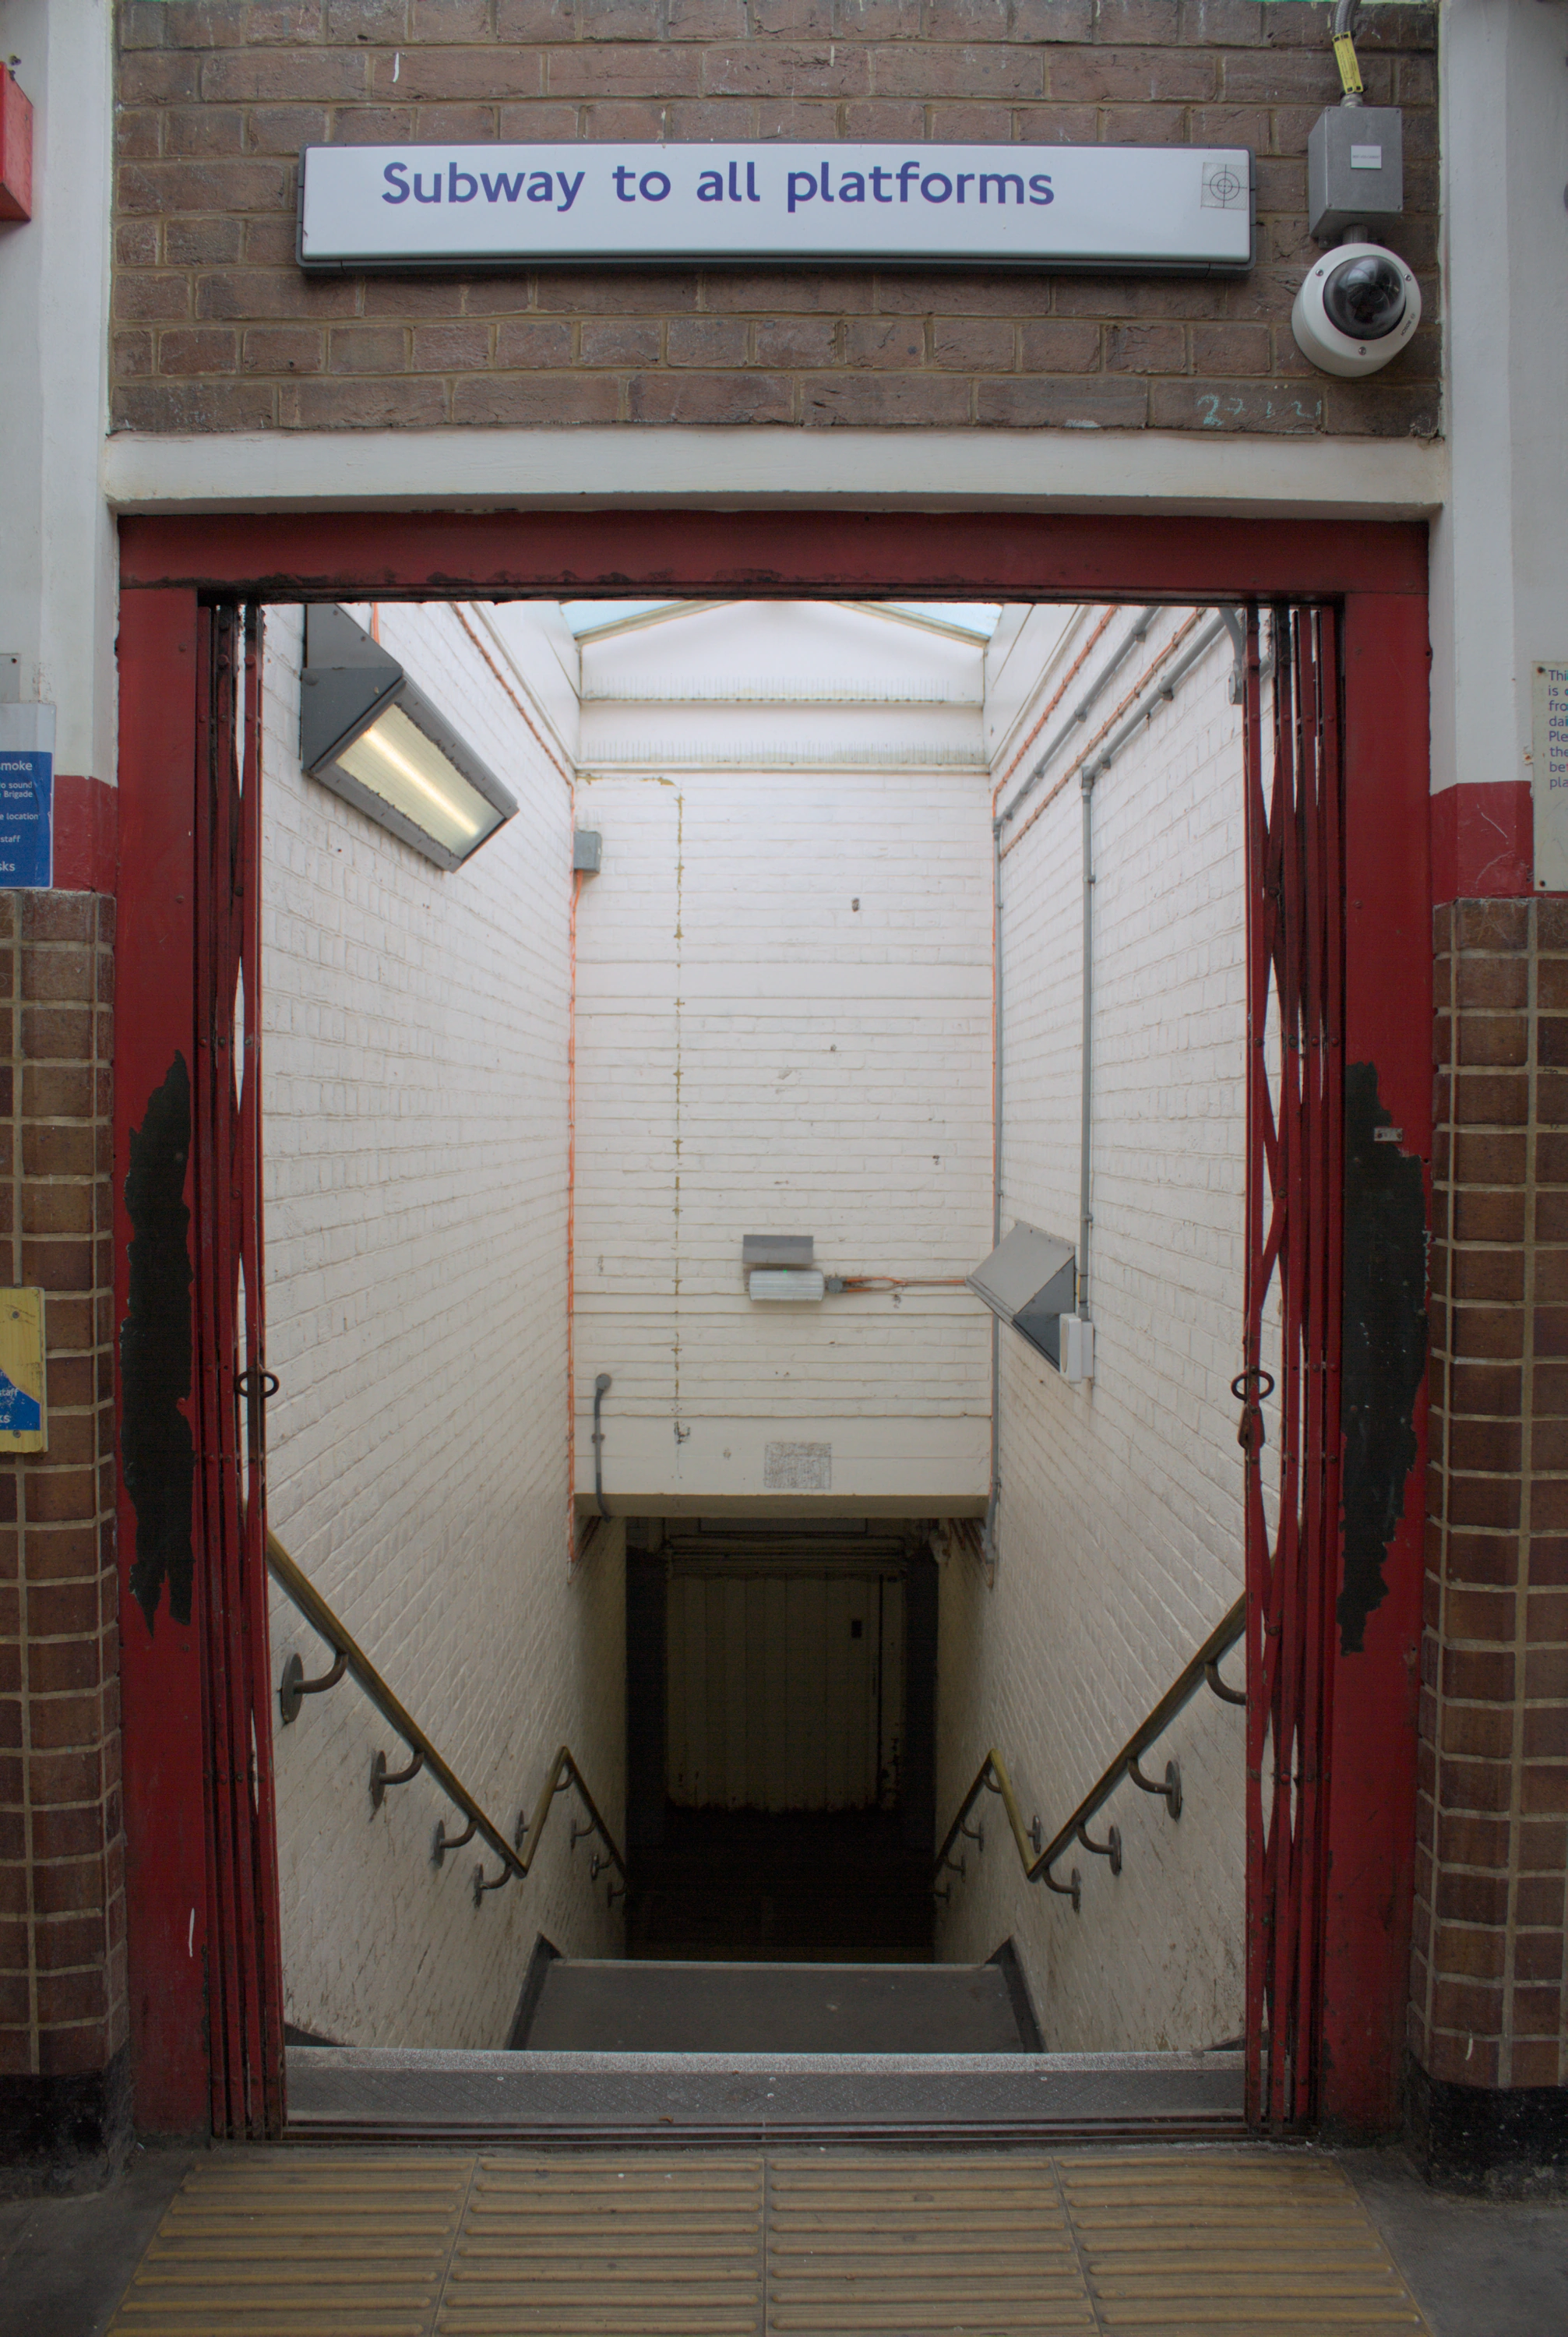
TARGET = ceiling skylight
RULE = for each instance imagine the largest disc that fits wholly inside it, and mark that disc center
(593, 616)
(977, 617)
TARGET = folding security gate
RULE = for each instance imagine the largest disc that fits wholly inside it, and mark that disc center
(245, 1972)
(1289, 1385)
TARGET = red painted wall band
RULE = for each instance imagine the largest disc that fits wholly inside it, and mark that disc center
(1482, 843)
(86, 834)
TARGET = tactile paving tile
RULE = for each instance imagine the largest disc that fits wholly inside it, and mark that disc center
(909, 2244)
(642, 2244)
(1195, 2243)
(1209, 2244)
(293, 2244)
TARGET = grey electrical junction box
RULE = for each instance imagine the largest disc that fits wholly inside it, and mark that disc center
(777, 1249)
(1354, 168)
(587, 850)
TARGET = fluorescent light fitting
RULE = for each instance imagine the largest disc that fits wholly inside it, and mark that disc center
(368, 733)
(787, 1286)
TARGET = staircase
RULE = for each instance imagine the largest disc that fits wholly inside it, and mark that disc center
(696, 2037)
(646, 2052)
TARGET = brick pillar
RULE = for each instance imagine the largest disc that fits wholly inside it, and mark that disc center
(1489, 2011)
(64, 2095)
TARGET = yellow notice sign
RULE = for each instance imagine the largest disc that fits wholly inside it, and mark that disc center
(24, 1417)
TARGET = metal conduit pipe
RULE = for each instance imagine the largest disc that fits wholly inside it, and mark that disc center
(1165, 687)
(602, 1387)
(1162, 687)
(1081, 712)
(1081, 1294)
(1080, 715)
(988, 1538)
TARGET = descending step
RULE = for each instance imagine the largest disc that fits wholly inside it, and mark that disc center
(344, 2092)
(750, 2008)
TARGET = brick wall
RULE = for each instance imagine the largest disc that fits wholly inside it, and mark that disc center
(216, 329)
(784, 986)
(1120, 1527)
(1490, 1989)
(63, 1997)
(414, 1092)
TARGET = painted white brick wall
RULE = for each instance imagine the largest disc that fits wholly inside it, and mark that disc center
(416, 1117)
(758, 1054)
(1120, 1517)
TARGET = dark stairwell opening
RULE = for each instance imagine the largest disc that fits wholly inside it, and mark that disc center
(779, 1730)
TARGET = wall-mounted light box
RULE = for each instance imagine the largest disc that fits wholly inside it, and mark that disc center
(780, 1269)
(1030, 1281)
(368, 733)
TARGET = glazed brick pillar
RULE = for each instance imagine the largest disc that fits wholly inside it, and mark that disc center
(63, 1987)
(1489, 2016)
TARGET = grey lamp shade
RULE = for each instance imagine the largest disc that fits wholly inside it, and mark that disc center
(368, 733)
(1030, 1281)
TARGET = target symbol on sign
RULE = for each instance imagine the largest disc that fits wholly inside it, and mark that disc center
(1223, 186)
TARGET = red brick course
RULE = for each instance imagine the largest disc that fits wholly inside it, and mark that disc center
(218, 331)
(63, 2003)
(1493, 1827)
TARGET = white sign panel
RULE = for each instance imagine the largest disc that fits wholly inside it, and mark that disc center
(1165, 209)
(1549, 776)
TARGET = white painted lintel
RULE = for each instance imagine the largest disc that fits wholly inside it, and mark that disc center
(1147, 472)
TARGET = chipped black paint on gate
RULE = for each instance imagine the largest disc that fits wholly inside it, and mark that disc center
(1385, 1344)
(156, 1446)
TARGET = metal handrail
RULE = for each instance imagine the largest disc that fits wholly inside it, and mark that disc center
(1201, 1670)
(516, 1856)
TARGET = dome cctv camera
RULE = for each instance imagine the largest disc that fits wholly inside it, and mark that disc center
(1358, 308)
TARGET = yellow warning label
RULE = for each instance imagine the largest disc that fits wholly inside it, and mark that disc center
(24, 1416)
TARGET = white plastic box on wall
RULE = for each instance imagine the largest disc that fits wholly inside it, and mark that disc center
(1077, 1348)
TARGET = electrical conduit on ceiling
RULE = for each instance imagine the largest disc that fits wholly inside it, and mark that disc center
(1052, 703)
(1091, 697)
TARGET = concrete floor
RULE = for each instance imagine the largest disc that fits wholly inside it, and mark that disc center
(65, 2262)
(1478, 2268)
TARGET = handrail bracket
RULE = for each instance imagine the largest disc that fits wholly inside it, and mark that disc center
(294, 1687)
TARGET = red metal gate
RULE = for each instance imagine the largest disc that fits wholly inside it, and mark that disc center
(244, 1995)
(1289, 1387)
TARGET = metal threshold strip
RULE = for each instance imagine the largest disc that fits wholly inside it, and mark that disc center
(343, 2094)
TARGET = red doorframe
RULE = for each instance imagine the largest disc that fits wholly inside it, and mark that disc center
(1377, 573)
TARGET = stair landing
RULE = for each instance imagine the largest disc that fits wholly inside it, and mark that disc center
(749, 2008)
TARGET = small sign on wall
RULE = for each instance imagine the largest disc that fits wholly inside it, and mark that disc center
(1549, 774)
(23, 1412)
(26, 795)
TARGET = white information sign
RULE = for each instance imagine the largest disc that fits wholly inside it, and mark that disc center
(1549, 775)
(1162, 209)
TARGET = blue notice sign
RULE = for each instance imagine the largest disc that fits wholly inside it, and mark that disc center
(26, 817)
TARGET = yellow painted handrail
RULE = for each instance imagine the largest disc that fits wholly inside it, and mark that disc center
(516, 1856)
(992, 1776)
